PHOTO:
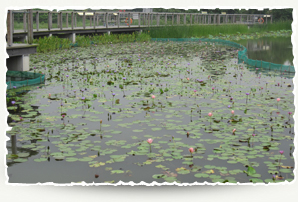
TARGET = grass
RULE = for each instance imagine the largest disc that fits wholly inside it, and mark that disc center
(185, 31)
(52, 43)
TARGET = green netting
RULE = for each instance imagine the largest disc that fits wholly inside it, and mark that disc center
(242, 54)
(17, 79)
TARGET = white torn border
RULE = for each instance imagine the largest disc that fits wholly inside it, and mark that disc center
(154, 183)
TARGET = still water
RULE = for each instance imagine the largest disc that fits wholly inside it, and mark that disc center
(270, 49)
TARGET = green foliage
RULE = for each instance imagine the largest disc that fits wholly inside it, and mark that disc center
(52, 43)
(203, 31)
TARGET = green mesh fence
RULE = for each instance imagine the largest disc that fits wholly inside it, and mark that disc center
(242, 54)
(17, 79)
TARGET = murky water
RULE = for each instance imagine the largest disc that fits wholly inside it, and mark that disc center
(77, 147)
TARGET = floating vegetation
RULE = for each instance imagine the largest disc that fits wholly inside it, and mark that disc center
(152, 111)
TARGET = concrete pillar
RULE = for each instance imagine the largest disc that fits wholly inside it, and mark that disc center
(18, 63)
(72, 37)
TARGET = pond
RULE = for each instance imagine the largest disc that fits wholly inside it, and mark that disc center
(277, 50)
(154, 111)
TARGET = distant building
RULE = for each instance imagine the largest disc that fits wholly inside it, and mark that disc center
(147, 10)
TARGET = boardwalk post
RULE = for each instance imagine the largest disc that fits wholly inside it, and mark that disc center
(37, 21)
(190, 19)
(166, 19)
(184, 21)
(84, 20)
(12, 22)
(90, 19)
(157, 19)
(94, 25)
(9, 28)
(49, 21)
(266, 19)
(118, 19)
(25, 21)
(253, 19)
(173, 17)
(107, 20)
(246, 18)
(128, 19)
(30, 27)
(241, 19)
(61, 22)
(72, 20)
(58, 20)
(66, 19)
(75, 19)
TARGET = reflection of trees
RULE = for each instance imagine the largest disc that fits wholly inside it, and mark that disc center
(278, 52)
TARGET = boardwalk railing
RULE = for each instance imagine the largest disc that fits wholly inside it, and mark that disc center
(32, 21)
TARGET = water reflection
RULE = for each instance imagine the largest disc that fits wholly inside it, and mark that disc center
(270, 49)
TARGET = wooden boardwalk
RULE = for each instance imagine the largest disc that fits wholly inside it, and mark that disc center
(67, 21)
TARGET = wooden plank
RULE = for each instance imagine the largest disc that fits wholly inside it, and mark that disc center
(84, 20)
(37, 21)
(30, 27)
(9, 28)
(72, 20)
(139, 19)
(25, 21)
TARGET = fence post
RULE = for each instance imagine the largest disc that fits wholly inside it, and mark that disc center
(75, 19)
(94, 25)
(30, 27)
(25, 21)
(184, 20)
(61, 22)
(139, 19)
(72, 20)
(118, 19)
(107, 20)
(271, 18)
(49, 21)
(66, 20)
(9, 28)
(84, 20)
(37, 21)
(190, 18)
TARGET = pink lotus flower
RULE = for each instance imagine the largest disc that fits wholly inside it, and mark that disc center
(187, 79)
(153, 96)
(210, 114)
(232, 112)
(191, 150)
(149, 140)
(234, 130)
(49, 94)
(278, 99)
(195, 91)
(63, 115)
